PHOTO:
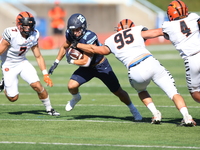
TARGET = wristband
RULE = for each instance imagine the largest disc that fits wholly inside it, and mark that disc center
(57, 61)
(44, 72)
(71, 61)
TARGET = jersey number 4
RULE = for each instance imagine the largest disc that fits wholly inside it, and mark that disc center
(184, 29)
(123, 38)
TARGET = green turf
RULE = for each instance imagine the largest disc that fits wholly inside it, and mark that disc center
(99, 121)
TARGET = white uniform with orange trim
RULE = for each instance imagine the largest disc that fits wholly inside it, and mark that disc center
(184, 35)
(128, 47)
(14, 62)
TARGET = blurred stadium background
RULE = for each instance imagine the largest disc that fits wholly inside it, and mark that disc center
(102, 15)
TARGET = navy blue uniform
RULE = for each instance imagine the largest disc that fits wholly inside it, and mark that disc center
(102, 70)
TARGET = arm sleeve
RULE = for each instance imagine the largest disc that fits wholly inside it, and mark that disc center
(7, 35)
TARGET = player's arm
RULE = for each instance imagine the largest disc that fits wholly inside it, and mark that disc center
(3, 46)
(84, 61)
(60, 56)
(41, 63)
(152, 33)
(39, 58)
(93, 49)
(62, 50)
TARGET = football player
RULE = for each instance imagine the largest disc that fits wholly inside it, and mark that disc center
(128, 46)
(182, 30)
(90, 65)
(14, 45)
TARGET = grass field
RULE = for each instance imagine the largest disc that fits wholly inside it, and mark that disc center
(99, 121)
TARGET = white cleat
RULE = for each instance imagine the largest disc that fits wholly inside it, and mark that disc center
(156, 119)
(52, 112)
(188, 121)
(71, 104)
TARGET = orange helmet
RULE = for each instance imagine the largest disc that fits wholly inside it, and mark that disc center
(25, 22)
(125, 24)
(177, 10)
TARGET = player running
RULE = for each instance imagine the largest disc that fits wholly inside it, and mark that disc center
(14, 45)
(90, 65)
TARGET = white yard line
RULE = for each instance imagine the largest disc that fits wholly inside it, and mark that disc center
(99, 145)
(99, 94)
(91, 105)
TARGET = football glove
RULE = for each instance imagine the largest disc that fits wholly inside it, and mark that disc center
(48, 80)
(55, 64)
(74, 44)
(68, 58)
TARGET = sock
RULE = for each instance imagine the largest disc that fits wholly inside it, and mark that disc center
(76, 97)
(152, 108)
(184, 111)
(131, 106)
(46, 102)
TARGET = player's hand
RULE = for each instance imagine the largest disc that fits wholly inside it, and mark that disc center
(68, 58)
(48, 80)
(55, 64)
(74, 44)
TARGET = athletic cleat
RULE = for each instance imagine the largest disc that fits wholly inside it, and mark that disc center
(1, 84)
(188, 121)
(136, 115)
(156, 119)
(52, 112)
(71, 104)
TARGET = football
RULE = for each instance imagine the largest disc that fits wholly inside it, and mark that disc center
(75, 54)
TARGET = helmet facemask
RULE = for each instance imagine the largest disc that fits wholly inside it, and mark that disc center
(78, 31)
(77, 25)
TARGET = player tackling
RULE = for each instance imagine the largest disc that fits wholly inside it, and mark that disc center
(90, 66)
(128, 47)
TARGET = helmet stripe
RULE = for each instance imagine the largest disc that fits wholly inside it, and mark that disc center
(121, 25)
(28, 14)
(180, 7)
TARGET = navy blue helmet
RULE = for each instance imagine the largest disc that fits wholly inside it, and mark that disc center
(76, 21)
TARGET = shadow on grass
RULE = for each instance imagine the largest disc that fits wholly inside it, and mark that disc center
(99, 117)
(38, 112)
(176, 121)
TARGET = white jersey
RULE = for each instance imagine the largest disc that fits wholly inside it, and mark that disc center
(14, 62)
(128, 46)
(19, 45)
(133, 47)
(184, 34)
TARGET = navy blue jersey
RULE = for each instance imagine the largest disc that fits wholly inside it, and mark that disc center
(102, 70)
(88, 38)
